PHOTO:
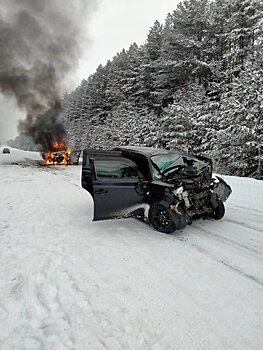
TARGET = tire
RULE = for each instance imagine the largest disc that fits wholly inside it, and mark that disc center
(219, 210)
(166, 220)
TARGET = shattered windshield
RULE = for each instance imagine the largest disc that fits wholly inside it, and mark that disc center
(164, 162)
(167, 163)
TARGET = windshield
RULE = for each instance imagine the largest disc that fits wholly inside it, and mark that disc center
(189, 165)
(163, 162)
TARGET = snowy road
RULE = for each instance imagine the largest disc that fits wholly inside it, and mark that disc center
(69, 283)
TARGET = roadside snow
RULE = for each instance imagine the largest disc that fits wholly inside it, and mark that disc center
(69, 283)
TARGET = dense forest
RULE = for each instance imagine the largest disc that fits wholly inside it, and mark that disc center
(195, 85)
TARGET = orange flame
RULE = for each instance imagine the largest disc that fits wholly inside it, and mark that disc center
(60, 155)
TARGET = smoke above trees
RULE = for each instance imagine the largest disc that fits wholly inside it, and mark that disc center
(40, 44)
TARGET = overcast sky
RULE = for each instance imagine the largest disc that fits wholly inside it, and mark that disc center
(115, 25)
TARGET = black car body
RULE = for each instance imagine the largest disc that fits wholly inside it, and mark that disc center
(6, 150)
(165, 188)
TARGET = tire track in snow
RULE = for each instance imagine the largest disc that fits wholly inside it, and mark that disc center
(242, 224)
(107, 328)
(3, 313)
(259, 212)
(224, 239)
(244, 274)
(185, 320)
(149, 295)
(47, 318)
(206, 252)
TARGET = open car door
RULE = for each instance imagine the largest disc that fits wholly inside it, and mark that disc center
(111, 180)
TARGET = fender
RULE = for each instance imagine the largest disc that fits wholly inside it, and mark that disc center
(160, 192)
(222, 189)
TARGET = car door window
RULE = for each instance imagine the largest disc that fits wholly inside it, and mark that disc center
(116, 169)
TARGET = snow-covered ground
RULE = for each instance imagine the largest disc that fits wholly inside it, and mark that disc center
(69, 283)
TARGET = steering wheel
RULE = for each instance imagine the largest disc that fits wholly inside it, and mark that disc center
(177, 167)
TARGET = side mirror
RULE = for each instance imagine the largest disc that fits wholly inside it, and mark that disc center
(141, 187)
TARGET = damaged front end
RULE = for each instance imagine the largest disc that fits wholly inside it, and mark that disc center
(195, 189)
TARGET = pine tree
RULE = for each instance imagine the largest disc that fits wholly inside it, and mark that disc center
(241, 126)
(196, 85)
(154, 41)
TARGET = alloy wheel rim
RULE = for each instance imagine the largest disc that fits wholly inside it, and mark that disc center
(161, 218)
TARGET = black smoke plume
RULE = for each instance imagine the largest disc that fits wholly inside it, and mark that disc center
(40, 43)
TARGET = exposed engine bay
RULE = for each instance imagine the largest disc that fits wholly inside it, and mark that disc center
(194, 183)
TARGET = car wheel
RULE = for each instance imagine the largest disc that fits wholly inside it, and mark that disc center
(166, 220)
(219, 210)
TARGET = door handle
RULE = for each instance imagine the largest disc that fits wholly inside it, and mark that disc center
(101, 191)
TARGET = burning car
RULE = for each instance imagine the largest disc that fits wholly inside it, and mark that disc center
(61, 155)
(167, 189)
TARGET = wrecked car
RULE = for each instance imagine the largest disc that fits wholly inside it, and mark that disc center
(64, 157)
(165, 188)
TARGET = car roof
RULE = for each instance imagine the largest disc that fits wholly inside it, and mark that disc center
(150, 151)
